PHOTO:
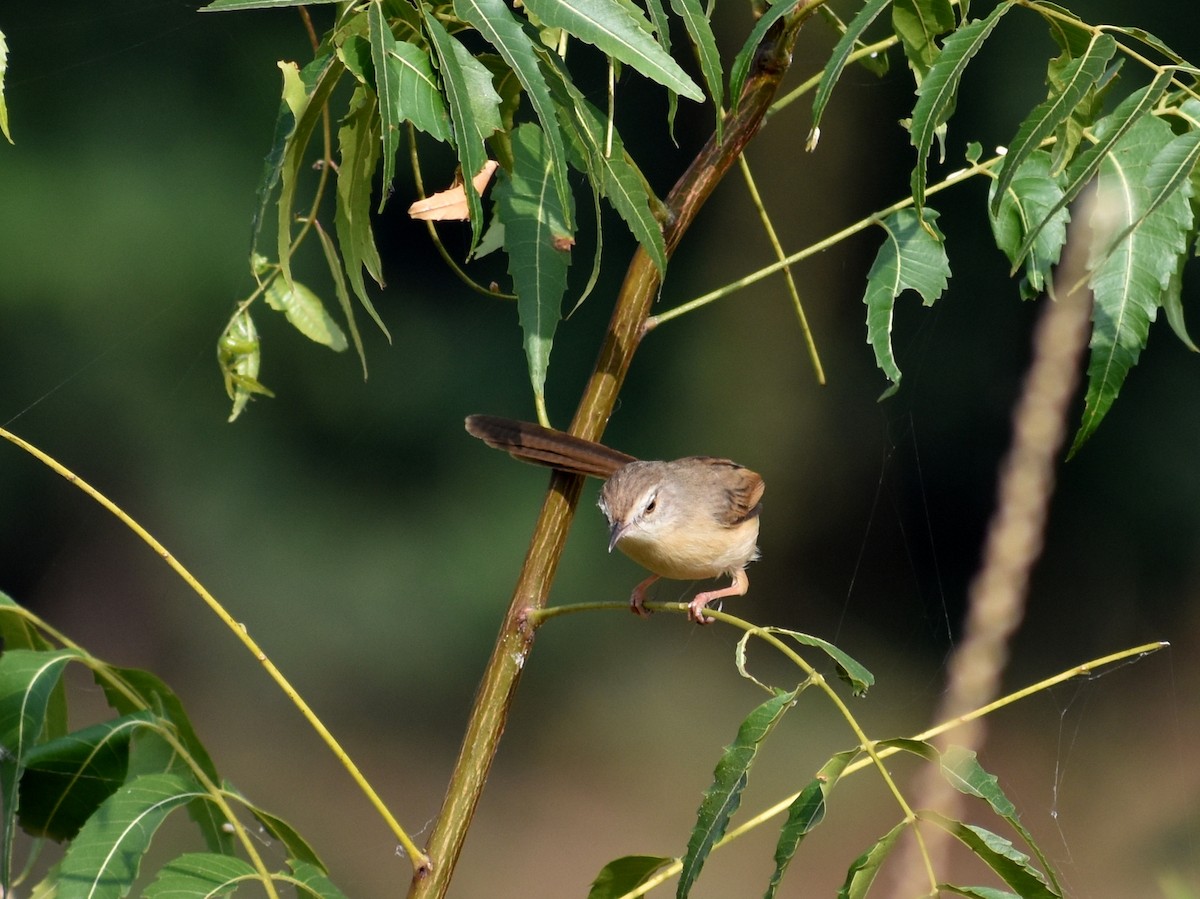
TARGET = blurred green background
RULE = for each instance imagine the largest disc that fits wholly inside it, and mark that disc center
(370, 545)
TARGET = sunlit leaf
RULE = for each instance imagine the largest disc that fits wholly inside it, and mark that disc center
(67, 778)
(863, 869)
(314, 881)
(198, 875)
(696, 21)
(1034, 199)
(911, 258)
(622, 875)
(724, 796)
(1081, 74)
(939, 89)
(620, 30)
(999, 854)
(306, 312)
(240, 356)
(1129, 280)
(502, 29)
(538, 241)
(3, 103)
(918, 24)
(387, 91)
(103, 860)
(805, 813)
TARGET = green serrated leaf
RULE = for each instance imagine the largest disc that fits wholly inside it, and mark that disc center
(306, 312)
(837, 63)
(972, 892)
(358, 143)
(239, 355)
(849, 670)
(305, 100)
(615, 173)
(621, 30)
(103, 860)
(3, 103)
(418, 99)
(229, 5)
(199, 875)
(497, 24)
(537, 239)
(625, 874)
(1034, 200)
(938, 92)
(805, 813)
(467, 84)
(863, 869)
(724, 796)
(314, 881)
(918, 24)
(1129, 280)
(29, 681)
(1080, 75)
(1009, 863)
(387, 91)
(1107, 132)
(911, 258)
(741, 63)
(342, 294)
(66, 779)
(696, 21)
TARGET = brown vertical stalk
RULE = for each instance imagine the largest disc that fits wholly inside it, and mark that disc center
(996, 596)
(625, 330)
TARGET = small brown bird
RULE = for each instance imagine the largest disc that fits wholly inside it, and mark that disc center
(688, 519)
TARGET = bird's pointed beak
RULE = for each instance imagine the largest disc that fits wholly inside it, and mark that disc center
(615, 531)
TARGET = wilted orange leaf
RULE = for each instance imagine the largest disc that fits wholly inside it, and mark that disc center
(451, 204)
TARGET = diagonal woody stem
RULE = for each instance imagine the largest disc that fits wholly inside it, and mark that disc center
(625, 330)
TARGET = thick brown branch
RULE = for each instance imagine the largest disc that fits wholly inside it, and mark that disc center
(625, 331)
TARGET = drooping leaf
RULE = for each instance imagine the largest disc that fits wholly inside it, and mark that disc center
(837, 63)
(1108, 131)
(66, 779)
(387, 91)
(911, 258)
(297, 847)
(239, 355)
(473, 110)
(622, 875)
(617, 176)
(621, 30)
(199, 875)
(538, 241)
(939, 90)
(418, 99)
(306, 312)
(1129, 280)
(696, 20)
(1028, 204)
(918, 24)
(103, 860)
(1010, 864)
(724, 796)
(29, 680)
(3, 103)
(1078, 76)
(314, 881)
(849, 670)
(805, 813)
(502, 29)
(341, 292)
(358, 144)
(863, 869)
(304, 93)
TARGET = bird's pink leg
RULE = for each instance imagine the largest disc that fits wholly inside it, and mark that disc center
(637, 599)
(740, 585)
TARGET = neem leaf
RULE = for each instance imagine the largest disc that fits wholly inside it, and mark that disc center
(724, 796)
(199, 875)
(624, 874)
(911, 258)
(306, 312)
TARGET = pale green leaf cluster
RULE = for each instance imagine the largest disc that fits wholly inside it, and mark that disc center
(416, 65)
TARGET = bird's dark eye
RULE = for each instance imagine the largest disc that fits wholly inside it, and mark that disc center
(650, 505)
